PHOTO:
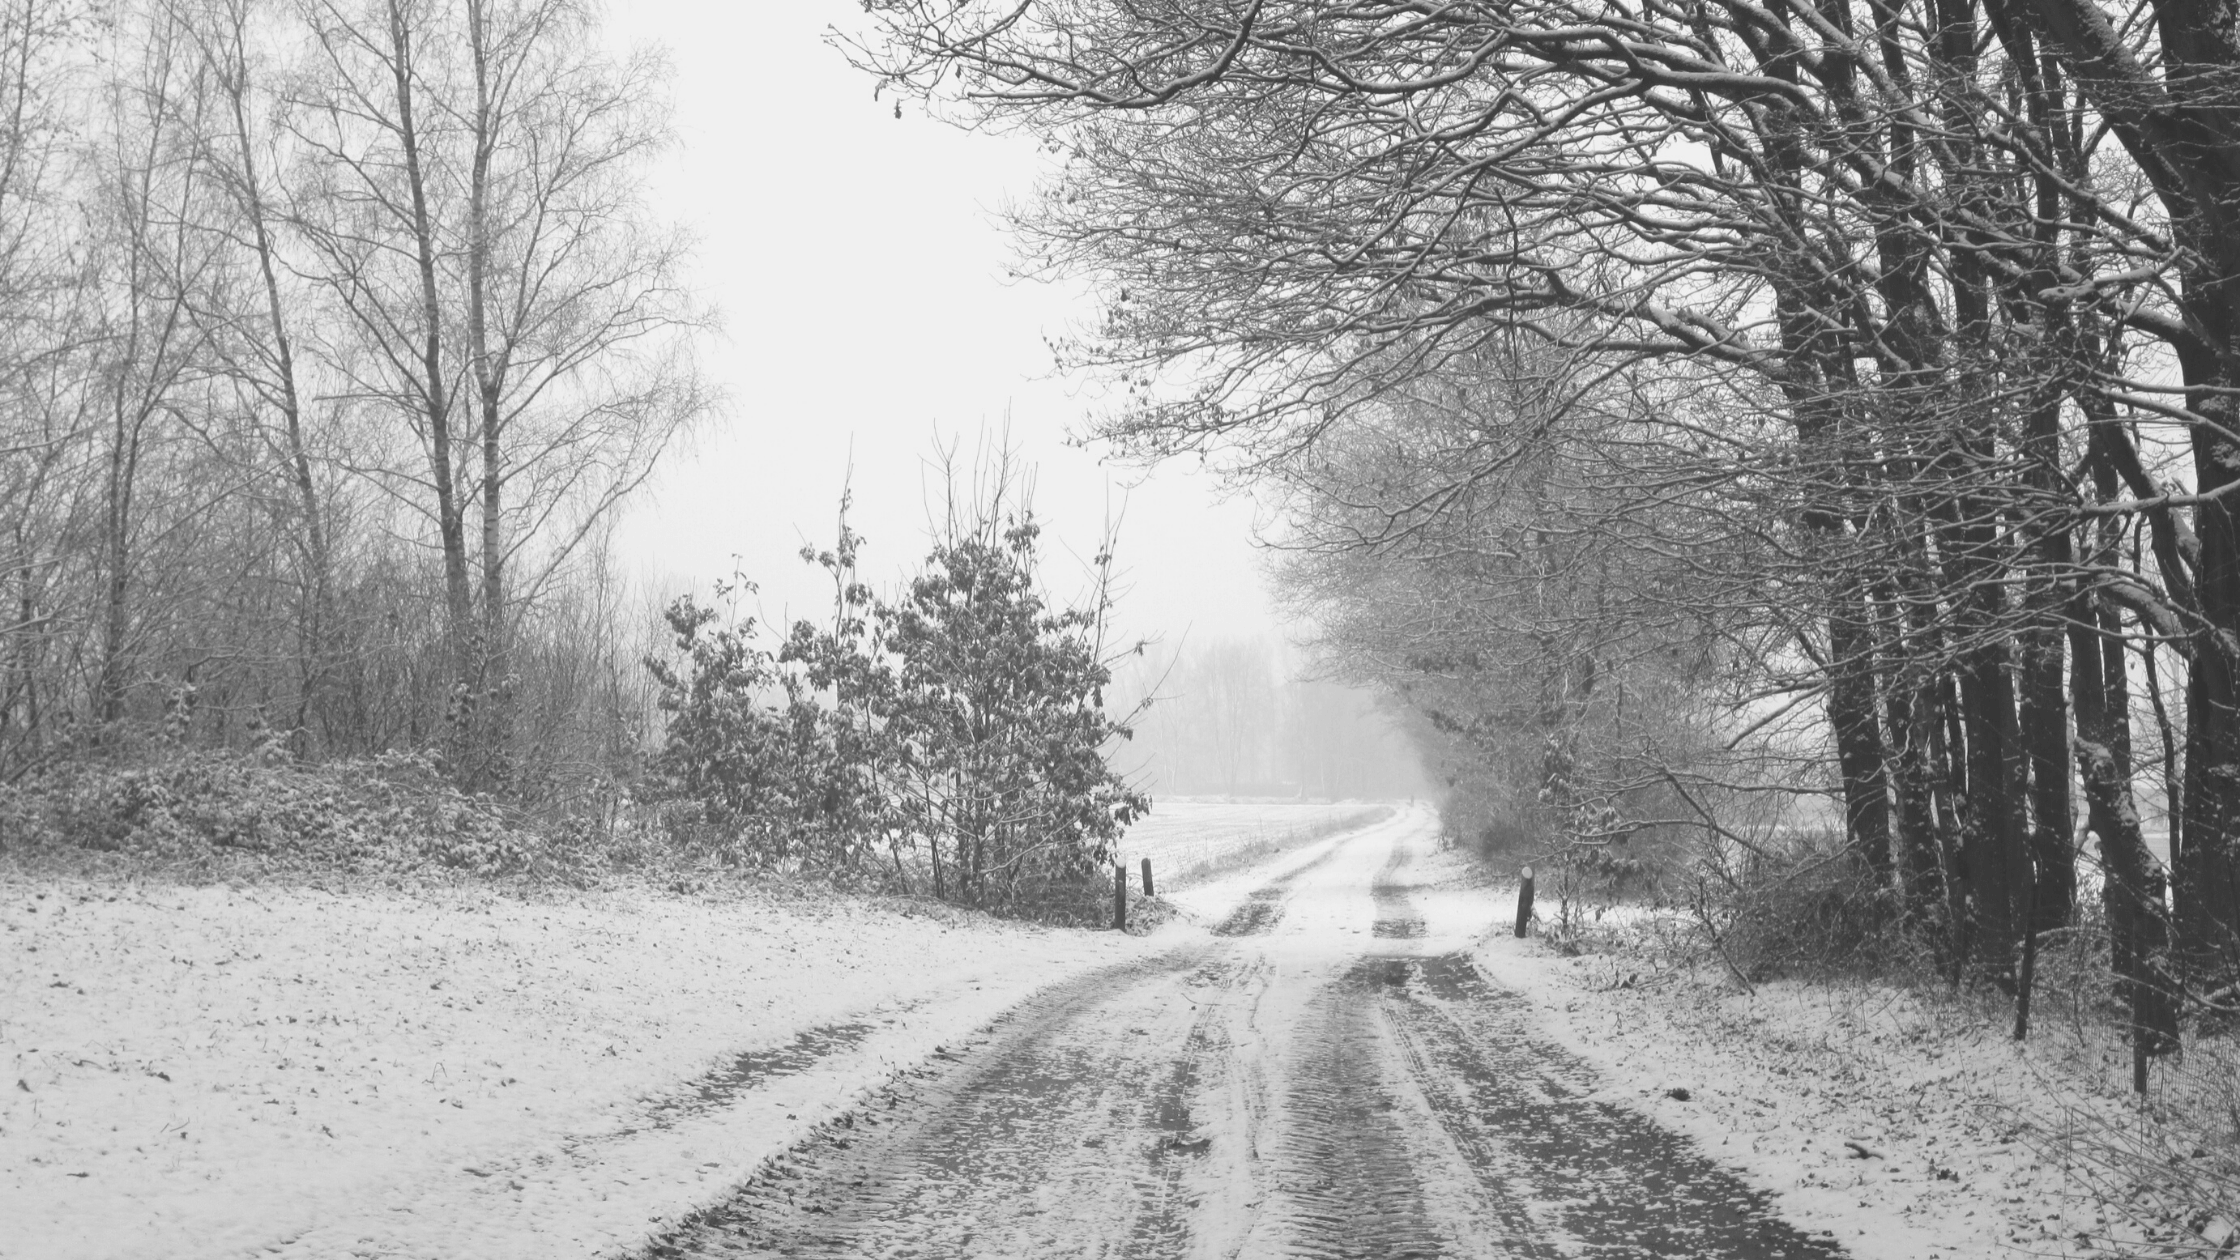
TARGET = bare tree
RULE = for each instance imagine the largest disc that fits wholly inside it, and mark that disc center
(253, 315)
(149, 193)
(471, 190)
(43, 331)
(316, 318)
(1892, 229)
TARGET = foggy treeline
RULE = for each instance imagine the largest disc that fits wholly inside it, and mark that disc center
(331, 333)
(1228, 718)
(1692, 409)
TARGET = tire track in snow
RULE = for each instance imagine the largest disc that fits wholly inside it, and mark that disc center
(1162, 1229)
(1551, 1161)
(1405, 1114)
(1259, 913)
(1056, 1135)
(1605, 1178)
(1396, 910)
(1344, 1171)
(750, 1069)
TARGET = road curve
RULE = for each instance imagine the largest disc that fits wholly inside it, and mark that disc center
(1320, 1079)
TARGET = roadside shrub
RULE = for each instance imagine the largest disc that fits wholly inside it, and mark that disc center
(1147, 914)
(753, 771)
(1812, 911)
(209, 810)
(1491, 822)
(2164, 1170)
(949, 739)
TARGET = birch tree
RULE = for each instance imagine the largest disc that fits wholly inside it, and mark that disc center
(471, 191)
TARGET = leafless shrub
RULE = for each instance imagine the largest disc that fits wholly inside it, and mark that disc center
(1810, 910)
(2163, 1171)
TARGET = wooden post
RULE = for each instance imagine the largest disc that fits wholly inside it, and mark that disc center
(1524, 904)
(1119, 897)
(1147, 877)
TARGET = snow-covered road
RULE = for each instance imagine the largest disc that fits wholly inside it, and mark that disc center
(1327, 1075)
(1338, 1051)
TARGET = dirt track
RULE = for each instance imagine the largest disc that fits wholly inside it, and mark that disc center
(1322, 1079)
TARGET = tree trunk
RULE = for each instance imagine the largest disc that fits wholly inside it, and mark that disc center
(492, 731)
(2133, 887)
(435, 399)
(116, 585)
(2180, 121)
(1911, 700)
(1858, 730)
(2044, 707)
(316, 663)
(1997, 856)
(2133, 893)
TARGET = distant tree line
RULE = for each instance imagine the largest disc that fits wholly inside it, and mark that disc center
(1692, 404)
(331, 334)
(1223, 719)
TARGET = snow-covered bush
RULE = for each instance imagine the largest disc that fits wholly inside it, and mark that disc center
(996, 723)
(948, 740)
(211, 810)
(754, 771)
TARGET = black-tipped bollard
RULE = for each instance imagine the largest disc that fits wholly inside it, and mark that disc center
(1119, 897)
(1524, 903)
(1147, 877)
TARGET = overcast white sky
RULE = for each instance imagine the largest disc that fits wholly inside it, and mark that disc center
(860, 271)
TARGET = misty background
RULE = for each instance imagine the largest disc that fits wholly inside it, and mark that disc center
(872, 313)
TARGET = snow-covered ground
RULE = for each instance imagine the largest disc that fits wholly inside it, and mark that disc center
(262, 1070)
(1908, 1124)
(247, 1071)
(216, 1072)
(1189, 839)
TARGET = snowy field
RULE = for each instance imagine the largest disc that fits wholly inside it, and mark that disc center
(1190, 839)
(236, 1071)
